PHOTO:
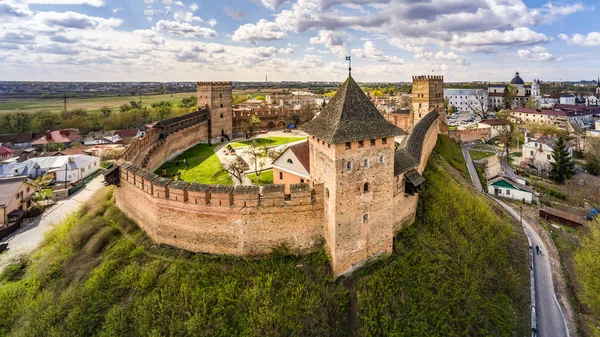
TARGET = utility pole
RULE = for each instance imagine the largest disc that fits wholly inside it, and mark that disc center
(66, 170)
(65, 102)
(140, 87)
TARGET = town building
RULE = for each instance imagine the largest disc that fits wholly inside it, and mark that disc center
(5, 153)
(563, 116)
(102, 137)
(292, 166)
(522, 94)
(591, 100)
(468, 100)
(18, 141)
(20, 169)
(67, 168)
(548, 102)
(568, 99)
(15, 199)
(537, 153)
(497, 126)
(64, 137)
(503, 182)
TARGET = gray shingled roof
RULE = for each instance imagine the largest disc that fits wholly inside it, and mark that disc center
(350, 116)
(410, 156)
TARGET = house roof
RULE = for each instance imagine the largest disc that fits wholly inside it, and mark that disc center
(76, 161)
(15, 169)
(302, 153)
(564, 215)
(57, 136)
(410, 156)
(542, 112)
(128, 133)
(510, 182)
(5, 150)
(8, 189)
(350, 116)
(517, 79)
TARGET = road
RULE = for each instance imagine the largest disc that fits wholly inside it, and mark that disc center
(25, 239)
(548, 313)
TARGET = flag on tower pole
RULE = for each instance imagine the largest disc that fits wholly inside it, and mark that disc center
(349, 59)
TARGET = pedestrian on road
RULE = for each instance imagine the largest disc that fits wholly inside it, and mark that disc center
(534, 332)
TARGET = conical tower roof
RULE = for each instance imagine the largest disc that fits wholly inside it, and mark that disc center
(350, 116)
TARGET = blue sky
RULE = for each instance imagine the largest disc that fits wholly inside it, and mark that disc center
(244, 40)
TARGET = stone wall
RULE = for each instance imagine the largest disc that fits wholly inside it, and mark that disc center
(177, 143)
(220, 219)
(469, 135)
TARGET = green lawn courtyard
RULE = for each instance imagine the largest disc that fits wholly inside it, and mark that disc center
(202, 164)
(269, 141)
(265, 178)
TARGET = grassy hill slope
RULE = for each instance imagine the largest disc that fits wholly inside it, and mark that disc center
(459, 270)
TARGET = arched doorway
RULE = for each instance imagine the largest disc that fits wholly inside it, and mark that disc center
(271, 125)
(281, 125)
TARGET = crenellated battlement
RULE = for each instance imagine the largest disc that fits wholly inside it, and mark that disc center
(215, 195)
(428, 78)
(213, 85)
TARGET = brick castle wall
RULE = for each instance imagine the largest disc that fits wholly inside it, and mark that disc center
(221, 219)
(178, 142)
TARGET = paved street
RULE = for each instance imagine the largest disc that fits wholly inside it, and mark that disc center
(550, 318)
(31, 235)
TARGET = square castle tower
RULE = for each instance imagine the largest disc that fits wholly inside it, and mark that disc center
(216, 96)
(427, 95)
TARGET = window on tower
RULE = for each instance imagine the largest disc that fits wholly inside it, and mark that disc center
(348, 146)
(383, 141)
(349, 166)
(381, 160)
(366, 188)
(361, 144)
(366, 162)
(372, 142)
(365, 217)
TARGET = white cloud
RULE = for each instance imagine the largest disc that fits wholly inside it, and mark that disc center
(76, 20)
(487, 40)
(273, 4)
(13, 8)
(332, 40)
(286, 51)
(94, 3)
(149, 2)
(186, 17)
(194, 7)
(183, 29)
(212, 22)
(179, 3)
(167, 2)
(450, 56)
(370, 52)
(54, 48)
(235, 14)
(592, 39)
(263, 30)
(537, 54)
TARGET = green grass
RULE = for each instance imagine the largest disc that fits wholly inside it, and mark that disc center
(44, 194)
(457, 271)
(265, 178)
(451, 151)
(478, 155)
(202, 162)
(269, 141)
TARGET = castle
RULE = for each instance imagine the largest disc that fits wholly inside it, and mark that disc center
(362, 191)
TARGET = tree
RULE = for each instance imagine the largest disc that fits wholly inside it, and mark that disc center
(44, 120)
(256, 153)
(510, 91)
(105, 111)
(17, 122)
(135, 104)
(188, 102)
(479, 105)
(592, 165)
(507, 137)
(260, 97)
(253, 124)
(562, 167)
(162, 109)
(532, 103)
(234, 168)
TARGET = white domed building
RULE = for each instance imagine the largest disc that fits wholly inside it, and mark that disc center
(523, 92)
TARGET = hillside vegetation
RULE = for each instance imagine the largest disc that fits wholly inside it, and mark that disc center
(587, 268)
(458, 271)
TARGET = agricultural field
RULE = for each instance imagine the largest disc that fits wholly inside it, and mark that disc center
(202, 164)
(455, 271)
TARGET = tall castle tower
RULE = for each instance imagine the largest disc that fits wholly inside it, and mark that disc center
(535, 88)
(427, 94)
(351, 148)
(217, 96)
(598, 88)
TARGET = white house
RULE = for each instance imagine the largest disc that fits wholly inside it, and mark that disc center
(102, 137)
(538, 152)
(568, 99)
(68, 168)
(292, 166)
(591, 101)
(505, 187)
(467, 99)
(522, 94)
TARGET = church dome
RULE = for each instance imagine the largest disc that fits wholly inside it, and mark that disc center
(517, 79)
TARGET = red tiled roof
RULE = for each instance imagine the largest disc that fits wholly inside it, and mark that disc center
(57, 136)
(128, 133)
(302, 153)
(543, 112)
(5, 150)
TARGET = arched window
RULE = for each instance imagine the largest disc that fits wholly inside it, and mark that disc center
(326, 193)
(366, 188)
(349, 166)
(290, 161)
(366, 162)
(365, 217)
(381, 160)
